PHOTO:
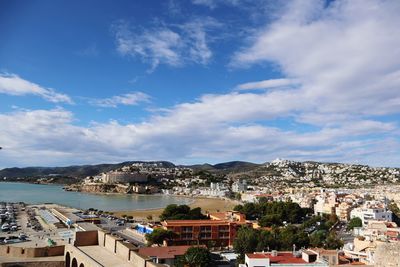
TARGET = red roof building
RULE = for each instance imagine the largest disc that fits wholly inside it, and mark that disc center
(274, 258)
(216, 233)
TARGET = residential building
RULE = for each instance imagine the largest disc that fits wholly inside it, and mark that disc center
(231, 216)
(362, 250)
(343, 211)
(326, 203)
(372, 211)
(114, 177)
(239, 186)
(216, 233)
(381, 230)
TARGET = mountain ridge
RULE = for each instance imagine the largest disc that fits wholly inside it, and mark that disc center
(81, 171)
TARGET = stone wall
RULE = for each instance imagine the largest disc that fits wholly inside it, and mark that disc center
(86, 238)
(387, 255)
(18, 252)
(34, 264)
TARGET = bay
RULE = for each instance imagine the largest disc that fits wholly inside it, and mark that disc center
(39, 194)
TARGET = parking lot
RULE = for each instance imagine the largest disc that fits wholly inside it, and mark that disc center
(30, 226)
(38, 226)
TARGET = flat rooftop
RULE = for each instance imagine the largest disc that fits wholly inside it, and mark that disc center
(281, 258)
(195, 222)
(104, 257)
(164, 252)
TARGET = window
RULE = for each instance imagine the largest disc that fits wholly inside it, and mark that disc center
(205, 235)
(223, 235)
(205, 229)
(187, 229)
(186, 236)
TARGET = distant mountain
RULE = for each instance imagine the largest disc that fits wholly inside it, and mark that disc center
(291, 173)
(231, 166)
(72, 171)
(282, 172)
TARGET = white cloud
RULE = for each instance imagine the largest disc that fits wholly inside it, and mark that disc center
(345, 56)
(344, 60)
(173, 45)
(209, 3)
(214, 3)
(129, 99)
(12, 84)
(272, 83)
(213, 128)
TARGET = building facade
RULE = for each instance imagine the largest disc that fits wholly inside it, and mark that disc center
(216, 233)
(369, 212)
(115, 177)
(284, 259)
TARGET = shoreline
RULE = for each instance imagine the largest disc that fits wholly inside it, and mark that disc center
(209, 204)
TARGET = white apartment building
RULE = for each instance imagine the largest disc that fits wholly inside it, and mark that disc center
(372, 211)
(326, 203)
(239, 186)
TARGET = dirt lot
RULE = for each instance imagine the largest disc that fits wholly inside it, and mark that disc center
(206, 205)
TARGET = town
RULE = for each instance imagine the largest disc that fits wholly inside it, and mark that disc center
(295, 226)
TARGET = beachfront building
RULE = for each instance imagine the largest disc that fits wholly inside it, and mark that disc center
(239, 186)
(215, 233)
(215, 190)
(115, 177)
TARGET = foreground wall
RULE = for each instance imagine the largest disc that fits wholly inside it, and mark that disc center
(387, 255)
(34, 264)
(104, 240)
(18, 252)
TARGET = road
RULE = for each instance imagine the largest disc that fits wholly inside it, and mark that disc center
(131, 238)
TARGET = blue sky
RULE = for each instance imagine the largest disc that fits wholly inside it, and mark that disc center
(199, 81)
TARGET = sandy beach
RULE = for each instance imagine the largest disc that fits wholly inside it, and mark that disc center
(206, 205)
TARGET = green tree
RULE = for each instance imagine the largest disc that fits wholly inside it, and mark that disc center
(354, 222)
(333, 242)
(266, 241)
(317, 238)
(197, 257)
(181, 212)
(158, 236)
(270, 220)
(246, 241)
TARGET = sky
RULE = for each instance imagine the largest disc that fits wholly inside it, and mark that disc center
(195, 81)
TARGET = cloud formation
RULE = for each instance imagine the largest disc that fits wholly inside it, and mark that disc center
(345, 56)
(129, 99)
(173, 45)
(12, 84)
(266, 84)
